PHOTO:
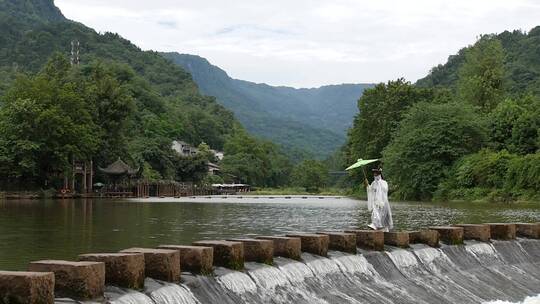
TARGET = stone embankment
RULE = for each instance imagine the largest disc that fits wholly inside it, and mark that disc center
(86, 278)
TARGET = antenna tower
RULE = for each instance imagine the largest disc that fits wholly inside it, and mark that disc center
(75, 46)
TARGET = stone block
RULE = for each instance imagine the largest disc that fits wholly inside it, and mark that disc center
(289, 247)
(226, 253)
(479, 232)
(502, 231)
(257, 250)
(26, 287)
(121, 269)
(196, 259)
(313, 243)
(449, 235)
(341, 241)
(529, 230)
(428, 237)
(76, 280)
(369, 239)
(160, 264)
(398, 239)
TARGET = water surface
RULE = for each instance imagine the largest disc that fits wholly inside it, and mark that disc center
(32, 230)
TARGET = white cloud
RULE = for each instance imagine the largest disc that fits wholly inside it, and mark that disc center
(308, 42)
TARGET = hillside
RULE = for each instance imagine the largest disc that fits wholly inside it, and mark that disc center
(521, 63)
(314, 120)
(160, 99)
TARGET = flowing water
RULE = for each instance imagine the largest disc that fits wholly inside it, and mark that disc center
(500, 272)
(474, 273)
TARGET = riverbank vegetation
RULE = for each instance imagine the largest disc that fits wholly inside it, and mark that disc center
(114, 101)
(470, 130)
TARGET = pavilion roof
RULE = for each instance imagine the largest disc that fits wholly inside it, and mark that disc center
(119, 168)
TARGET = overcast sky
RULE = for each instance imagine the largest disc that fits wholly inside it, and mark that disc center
(308, 43)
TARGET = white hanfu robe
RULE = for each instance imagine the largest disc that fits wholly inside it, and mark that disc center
(381, 215)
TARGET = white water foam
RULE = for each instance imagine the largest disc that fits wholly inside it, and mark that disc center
(296, 272)
(481, 250)
(133, 297)
(355, 264)
(269, 277)
(528, 300)
(428, 257)
(403, 258)
(174, 294)
(237, 282)
(322, 267)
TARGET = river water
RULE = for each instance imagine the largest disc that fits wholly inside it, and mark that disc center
(32, 230)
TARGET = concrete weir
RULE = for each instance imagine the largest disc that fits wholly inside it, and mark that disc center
(398, 239)
(368, 239)
(160, 264)
(226, 253)
(77, 280)
(289, 247)
(26, 287)
(479, 232)
(341, 241)
(313, 243)
(257, 250)
(196, 259)
(428, 237)
(449, 235)
(529, 230)
(121, 269)
(502, 231)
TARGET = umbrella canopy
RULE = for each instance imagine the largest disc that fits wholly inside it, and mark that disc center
(361, 162)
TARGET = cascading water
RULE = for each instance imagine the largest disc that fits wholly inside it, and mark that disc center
(502, 272)
(173, 294)
(121, 296)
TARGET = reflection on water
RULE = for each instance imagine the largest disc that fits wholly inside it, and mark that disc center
(31, 230)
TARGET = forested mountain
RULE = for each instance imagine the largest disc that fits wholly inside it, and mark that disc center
(126, 103)
(314, 120)
(470, 130)
(521, 63)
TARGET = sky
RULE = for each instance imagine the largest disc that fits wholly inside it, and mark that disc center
(308, 43)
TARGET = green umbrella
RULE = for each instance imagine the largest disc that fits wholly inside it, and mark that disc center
(361, 163)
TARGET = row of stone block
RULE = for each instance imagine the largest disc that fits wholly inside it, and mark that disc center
(86, 278)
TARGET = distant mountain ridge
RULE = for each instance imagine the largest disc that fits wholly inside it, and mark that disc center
(31, 10)
(313, 120)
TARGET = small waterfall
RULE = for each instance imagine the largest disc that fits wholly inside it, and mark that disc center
(173, 294)
(435, 260)
(485, 253)
(355, 265)
(322, 267)
(405, 260)
(528, 300)
(129, 297)
(269, 277)
(296, 272)
(504, 272)
(237, 282)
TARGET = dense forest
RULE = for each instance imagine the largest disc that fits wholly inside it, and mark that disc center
(118, 101)
(469, 130)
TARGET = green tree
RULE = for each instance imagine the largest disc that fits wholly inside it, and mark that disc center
(310, 174)
(514, 125)
(254, 161)
(45, 123)
(481, 75)
(430, 139)
(381, 110)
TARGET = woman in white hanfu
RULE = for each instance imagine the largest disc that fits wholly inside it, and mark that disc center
(377, 192)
